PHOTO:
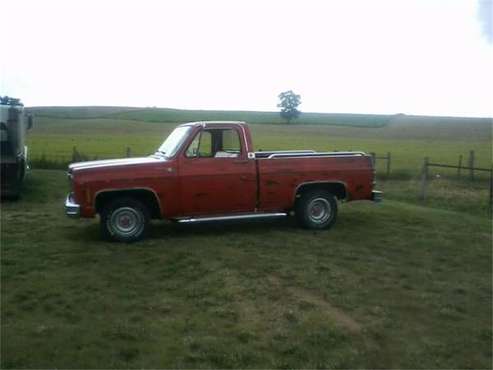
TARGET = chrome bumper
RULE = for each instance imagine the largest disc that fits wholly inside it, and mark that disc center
(376, 196)
(72, 209)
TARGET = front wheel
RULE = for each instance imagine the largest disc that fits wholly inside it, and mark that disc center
(316, 209)
(124, 220)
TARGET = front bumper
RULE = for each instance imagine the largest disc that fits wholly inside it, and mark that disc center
(376, 196)
(72, 209)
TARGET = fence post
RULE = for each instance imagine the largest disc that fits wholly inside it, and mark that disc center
(129, 152)
(75, 154)
(491, 193)
(424, 179)
(459, 169)
(388, 163)
(471, 164)
(373, 158)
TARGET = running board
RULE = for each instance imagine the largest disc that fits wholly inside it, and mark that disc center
(233, 217)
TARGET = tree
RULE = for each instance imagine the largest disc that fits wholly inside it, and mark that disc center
(7, 100)
(289, 102)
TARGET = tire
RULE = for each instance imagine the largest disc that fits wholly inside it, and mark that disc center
(124, 220)
(316, 210)
(22, 172)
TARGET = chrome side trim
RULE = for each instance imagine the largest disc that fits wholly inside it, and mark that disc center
(289, 151)
(72, 209)
(232, 217)
(316, 155)
(213, 123)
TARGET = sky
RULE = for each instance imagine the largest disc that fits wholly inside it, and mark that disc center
(430, 57)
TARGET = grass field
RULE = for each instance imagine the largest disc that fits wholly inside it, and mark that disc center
(179, 115)
(398, 285)
(107, 132)
(390, 286)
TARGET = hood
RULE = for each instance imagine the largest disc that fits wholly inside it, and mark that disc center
(115, 163)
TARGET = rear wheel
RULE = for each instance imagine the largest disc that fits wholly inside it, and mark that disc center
(124, 220)
(316, 209)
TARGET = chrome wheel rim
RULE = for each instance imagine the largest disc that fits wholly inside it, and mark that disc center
(126, 221)
(319, 210)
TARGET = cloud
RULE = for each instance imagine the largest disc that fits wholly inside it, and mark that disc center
(485, 16)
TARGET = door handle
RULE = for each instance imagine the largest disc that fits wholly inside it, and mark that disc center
(244, 178)
(243, 161)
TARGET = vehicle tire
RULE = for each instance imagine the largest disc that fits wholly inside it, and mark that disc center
(316, 209)
(124, 220)
(22, 171)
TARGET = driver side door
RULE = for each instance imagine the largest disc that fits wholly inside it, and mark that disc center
(216, 177)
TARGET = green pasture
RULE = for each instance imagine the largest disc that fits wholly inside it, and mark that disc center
(393, 285)
(409, 139)
(177, 115)
(402, 284)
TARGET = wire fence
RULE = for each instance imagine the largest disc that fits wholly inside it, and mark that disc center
(426, 178)
(57, 161)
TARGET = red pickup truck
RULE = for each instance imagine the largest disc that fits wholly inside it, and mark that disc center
(207, 171)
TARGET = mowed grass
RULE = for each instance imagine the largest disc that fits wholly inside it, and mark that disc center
(390, 286)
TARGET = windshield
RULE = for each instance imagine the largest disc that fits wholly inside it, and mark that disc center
(173, 141)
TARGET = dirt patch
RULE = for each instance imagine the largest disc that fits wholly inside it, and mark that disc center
(338, 316)
(335, 313)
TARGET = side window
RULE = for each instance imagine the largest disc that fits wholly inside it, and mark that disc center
(217, 143)
(193, 148)
(201, 145)
(205, 146)
(231, 142)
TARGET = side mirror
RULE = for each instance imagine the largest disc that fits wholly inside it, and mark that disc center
(29, 122)
(251, 155)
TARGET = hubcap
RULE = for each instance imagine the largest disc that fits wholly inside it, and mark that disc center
(126, 221)
(319, 210)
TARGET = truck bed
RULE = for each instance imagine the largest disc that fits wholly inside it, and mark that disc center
(280, 174)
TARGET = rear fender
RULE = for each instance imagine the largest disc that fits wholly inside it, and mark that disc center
(338, 188)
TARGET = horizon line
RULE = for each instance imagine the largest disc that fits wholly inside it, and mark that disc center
(254, 111)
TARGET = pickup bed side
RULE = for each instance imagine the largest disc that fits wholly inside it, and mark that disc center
(281, 179)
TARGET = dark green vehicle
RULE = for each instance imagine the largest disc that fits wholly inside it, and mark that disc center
(14, 123)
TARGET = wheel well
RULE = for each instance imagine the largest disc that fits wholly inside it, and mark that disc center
(147, 197)
(336, 188)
